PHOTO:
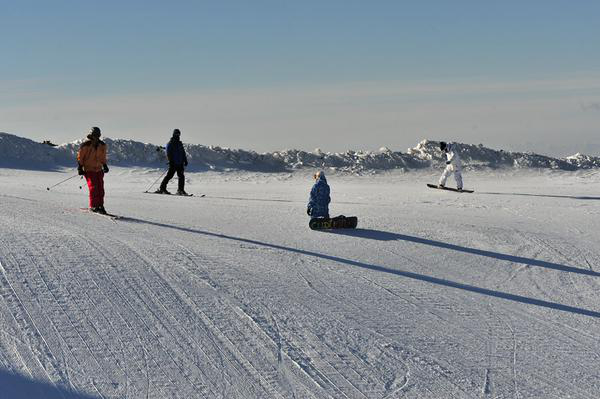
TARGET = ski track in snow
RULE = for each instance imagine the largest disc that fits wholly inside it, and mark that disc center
(436, 295)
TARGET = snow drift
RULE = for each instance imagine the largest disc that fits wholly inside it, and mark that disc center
(20, 152)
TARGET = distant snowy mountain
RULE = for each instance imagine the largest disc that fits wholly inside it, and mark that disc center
(20, 152)
(478, 156)
(581, 161)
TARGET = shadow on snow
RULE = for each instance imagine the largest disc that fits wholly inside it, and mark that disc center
(545, 195)
(387, 236)
(415, 276)
(278, 200)
(15, 386)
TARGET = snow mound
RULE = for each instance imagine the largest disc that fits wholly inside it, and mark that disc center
(20, 152)
(478, 156)
(123, 152)
(23, 153)
(349, 161)
(581, 161)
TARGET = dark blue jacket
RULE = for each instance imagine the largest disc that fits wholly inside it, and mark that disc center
(319, 198)
(176, 152)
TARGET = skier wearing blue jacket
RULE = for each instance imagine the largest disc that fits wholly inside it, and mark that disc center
(177, 162)
(318, 204)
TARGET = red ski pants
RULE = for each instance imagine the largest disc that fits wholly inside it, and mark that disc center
(95, 182)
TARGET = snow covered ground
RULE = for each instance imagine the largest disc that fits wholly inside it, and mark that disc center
(436, 295)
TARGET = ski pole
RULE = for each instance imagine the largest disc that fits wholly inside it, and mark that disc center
(61, 182)
(159, 177)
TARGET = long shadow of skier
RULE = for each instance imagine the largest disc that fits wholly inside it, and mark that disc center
(397, 272)
(575, 197)
(387, 236)
(277, 200)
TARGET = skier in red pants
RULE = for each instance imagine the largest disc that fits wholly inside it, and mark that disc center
(91, 158)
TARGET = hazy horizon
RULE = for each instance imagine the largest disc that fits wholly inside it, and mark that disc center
(334, 75)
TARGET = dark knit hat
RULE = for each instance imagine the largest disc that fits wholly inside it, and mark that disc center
(94, 132)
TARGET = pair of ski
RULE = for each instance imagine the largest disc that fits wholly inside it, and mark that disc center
(106, 215)
(177, 195)
(116, 217)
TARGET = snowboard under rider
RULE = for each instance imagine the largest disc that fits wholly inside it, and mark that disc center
(452, 165)
(91, 159)
(177, 163)
(318, 204)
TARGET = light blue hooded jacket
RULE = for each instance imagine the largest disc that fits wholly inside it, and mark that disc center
(318, 203)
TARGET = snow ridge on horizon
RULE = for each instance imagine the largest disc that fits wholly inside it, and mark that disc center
(20, 152)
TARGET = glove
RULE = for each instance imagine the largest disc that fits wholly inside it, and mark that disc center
(308, 211)
(185, 162)
(105, 168)
(448, 162)
(80, 171)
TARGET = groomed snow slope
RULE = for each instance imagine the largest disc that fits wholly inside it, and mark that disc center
(436, 295)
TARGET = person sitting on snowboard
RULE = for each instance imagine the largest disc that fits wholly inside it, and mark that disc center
(318, 204)
(452, 165)
(91, 160)
(177, 162)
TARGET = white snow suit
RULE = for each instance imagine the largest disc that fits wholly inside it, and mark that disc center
(452, 165)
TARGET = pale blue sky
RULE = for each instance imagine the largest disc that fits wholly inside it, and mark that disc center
(332, 74)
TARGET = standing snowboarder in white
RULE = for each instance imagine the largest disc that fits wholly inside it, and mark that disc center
(452, 165)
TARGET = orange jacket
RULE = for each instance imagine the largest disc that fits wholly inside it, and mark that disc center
(92, 157)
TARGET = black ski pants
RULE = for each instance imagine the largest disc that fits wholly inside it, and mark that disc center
(170, 174)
